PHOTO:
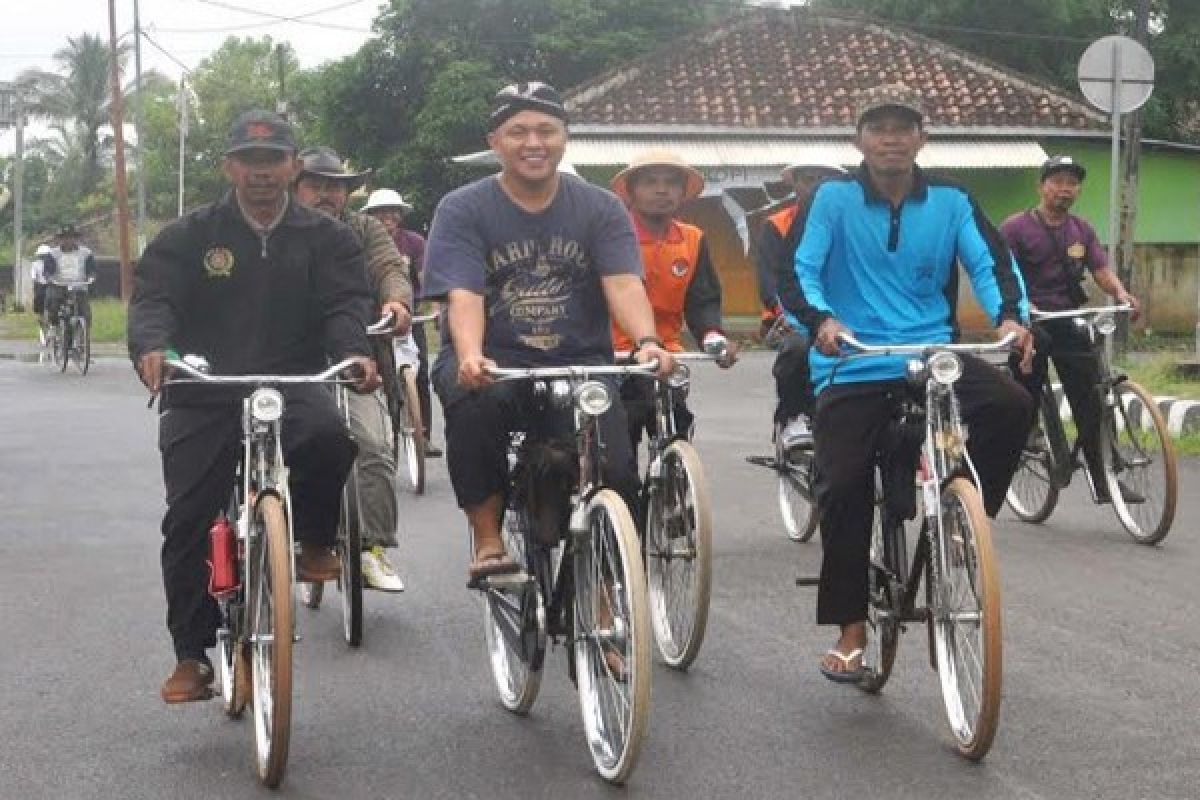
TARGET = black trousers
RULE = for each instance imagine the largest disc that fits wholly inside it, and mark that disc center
(423, 394)
(793, 384)
(200, 447)
(850, 422)
(1078, 366)
(637, 395)
(55, 296)
(479, 424)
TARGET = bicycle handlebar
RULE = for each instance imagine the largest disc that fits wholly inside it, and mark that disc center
(688, 355)
(421, 318)
(329, 375)
(919, 349)
(73, 284)
(383, 327)
(1124, 308)
(518, 373)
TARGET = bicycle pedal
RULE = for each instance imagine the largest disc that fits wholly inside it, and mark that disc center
(509, 582)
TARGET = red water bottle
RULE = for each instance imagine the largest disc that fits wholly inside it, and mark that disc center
(222, 557)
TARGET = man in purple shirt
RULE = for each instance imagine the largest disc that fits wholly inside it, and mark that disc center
(389, 207)
(1055, 250)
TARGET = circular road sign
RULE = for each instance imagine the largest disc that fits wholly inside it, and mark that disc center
(1111, 58)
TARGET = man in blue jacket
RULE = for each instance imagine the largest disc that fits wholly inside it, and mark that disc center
(879, 259)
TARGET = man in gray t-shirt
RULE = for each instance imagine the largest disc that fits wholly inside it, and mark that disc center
(530, 263)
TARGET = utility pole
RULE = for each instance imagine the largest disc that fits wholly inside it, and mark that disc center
(138, 124)
(1129, 181)
(118, 125)
(12, 112)
(183, 132)
(281, 104)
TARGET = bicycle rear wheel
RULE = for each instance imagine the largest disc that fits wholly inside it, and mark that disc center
(81, 344)
(967, 620)
(679, 555)
(797, 505)
(271, 630)
(233, 663)
(883, 629)
(350, 554)
(1033, 493)
(1140, 454)
(514, 625)
(410, 431)
(611, 643)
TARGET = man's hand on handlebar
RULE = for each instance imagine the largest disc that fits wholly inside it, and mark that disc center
(1023, 342)
(401, 316)
(363, 375)
(473, 371)
(1126, 299)
(827, 336)
(651, 352)
(151, 369)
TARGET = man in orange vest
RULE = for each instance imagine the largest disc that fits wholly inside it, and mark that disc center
(679, 275)
(774, 254)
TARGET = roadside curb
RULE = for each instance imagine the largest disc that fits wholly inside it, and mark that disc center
(1182, 416)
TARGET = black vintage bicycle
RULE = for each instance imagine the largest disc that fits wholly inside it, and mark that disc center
(258, 626)
(582, 582)
(408, 428)
(69, 336)
(1140, 469)
(953, 557)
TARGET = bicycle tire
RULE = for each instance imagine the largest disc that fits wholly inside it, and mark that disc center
(610, 555)
(1134, 454)
(1033, 493)
(82, 344)
(679, 533)
(883, 629)
(272, 625)
(515, 659)
(234, 665)
(409, 435)
(967, 549)
(794, 493)
(350, 554)
(62, 350)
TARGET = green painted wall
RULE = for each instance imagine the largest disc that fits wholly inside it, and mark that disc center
(1168, 191)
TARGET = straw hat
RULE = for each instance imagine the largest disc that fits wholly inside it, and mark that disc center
(693, 180)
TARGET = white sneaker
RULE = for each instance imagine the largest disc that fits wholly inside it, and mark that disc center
(796, 433)
(378, 572)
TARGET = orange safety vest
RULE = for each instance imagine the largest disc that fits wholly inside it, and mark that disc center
(782, 221)
(669, 265)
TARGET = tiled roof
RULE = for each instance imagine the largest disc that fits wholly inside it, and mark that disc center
(792, 68)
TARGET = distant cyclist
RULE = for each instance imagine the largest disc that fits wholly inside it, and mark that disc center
(67, 263)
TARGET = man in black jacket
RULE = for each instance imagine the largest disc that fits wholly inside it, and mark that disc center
(255, 283)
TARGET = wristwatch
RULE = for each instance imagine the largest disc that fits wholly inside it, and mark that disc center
(642, 342)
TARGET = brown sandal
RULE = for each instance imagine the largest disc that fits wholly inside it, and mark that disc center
(488, 563)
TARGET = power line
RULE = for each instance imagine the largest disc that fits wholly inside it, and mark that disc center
(186, 69)
(299, 19)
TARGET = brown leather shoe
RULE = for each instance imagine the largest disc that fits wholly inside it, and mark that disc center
(191, 681)
(316, 563)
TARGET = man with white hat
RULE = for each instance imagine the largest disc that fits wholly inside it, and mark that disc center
(389, 207)
(773, 262)
(679, 275)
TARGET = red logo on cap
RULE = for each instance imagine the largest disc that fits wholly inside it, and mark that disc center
(259, 130)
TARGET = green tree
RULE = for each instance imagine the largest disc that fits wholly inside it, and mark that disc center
(418, 92)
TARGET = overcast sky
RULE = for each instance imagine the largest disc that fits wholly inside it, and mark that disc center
(189, 30)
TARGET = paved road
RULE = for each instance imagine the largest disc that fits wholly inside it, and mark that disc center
(1101, 657)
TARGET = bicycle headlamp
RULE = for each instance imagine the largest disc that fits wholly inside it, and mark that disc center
(266, 405)
(1105, 324)
(945, 367)
(593, 398)
(680, 377)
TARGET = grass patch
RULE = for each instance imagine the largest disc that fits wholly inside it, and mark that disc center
(108, 322)
(1157, 375)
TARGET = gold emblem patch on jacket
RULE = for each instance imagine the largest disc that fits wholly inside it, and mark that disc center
(218, 262)
(1076, 250)
(679, 268)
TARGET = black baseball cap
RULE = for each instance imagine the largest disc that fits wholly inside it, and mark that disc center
(258, 129)
(531, 96)
(1062, 164)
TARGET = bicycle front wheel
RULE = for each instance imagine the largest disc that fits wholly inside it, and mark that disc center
(271, 627)
(1033, 493)
(611, 644)
(350, 552)
(410, 431)
(62, 345)
(81, 344)
(797, 504)
(966, 619)
(1140, 466)
(679, 555)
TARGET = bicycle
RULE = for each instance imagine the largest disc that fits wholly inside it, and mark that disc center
(350, 527)
(582, 581)
(677, 526)
(953, 555)
(68, 337)
(408, 428)
(1137, 449)
(257, 628)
